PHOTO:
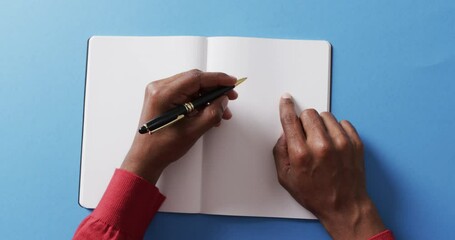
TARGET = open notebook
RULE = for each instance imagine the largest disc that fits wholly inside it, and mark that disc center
(230, 170)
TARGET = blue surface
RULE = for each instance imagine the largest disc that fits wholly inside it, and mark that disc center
(393, 77)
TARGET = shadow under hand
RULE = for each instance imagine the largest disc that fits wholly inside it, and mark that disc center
(381, 187)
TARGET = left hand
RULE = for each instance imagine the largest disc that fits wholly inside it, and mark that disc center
(320, 162)
(149, 155)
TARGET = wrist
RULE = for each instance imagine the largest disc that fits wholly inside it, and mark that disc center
(142, 168)
(362, 221)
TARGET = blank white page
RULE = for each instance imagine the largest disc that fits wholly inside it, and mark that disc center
(118, 70)
(239, 170)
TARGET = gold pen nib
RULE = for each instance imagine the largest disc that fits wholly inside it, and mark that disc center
(239, 81)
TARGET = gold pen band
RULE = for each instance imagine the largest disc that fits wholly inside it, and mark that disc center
(189, 107)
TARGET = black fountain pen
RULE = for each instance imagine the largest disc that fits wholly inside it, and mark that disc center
(179, 112)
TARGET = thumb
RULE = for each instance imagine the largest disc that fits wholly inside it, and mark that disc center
(209, 117)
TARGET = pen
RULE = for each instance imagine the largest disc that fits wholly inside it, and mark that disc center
(179, 112)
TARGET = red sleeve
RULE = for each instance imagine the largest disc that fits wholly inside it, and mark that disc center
(125, 210)
(386, 235)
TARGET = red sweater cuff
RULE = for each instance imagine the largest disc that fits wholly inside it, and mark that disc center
(129, 203)
(386, 235)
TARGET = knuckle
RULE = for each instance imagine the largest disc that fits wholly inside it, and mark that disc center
(346, 122)
(308, 113)
(301, 154)
(322, 149)
(152, 89)
(289, 118)
(215, 115)
(342, 144)
(326, 114)
(333, 200)
(194, 73)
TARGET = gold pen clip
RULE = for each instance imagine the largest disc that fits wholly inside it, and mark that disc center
(167, 124)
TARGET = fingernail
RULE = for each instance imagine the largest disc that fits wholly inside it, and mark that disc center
(224, 103)
(232, 76)
(286, 96)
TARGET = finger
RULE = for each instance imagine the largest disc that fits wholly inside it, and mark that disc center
(280, 154)
(358, 145)
(314, 127)
(232, 95)
(353, 135)
(216, 79)
(336, 132)
(208, 117)
(227, 114)
(193, 81)
(293, 131)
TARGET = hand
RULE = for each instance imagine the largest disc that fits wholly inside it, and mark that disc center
(320, 163)
(151, 154)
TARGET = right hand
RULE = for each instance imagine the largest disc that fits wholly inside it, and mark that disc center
(149, 155)
(319, 162)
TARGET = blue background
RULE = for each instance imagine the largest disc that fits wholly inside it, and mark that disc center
(393, 77)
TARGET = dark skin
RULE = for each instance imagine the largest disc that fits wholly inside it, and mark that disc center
(320, 163)
(319, 160)
(174, 141)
